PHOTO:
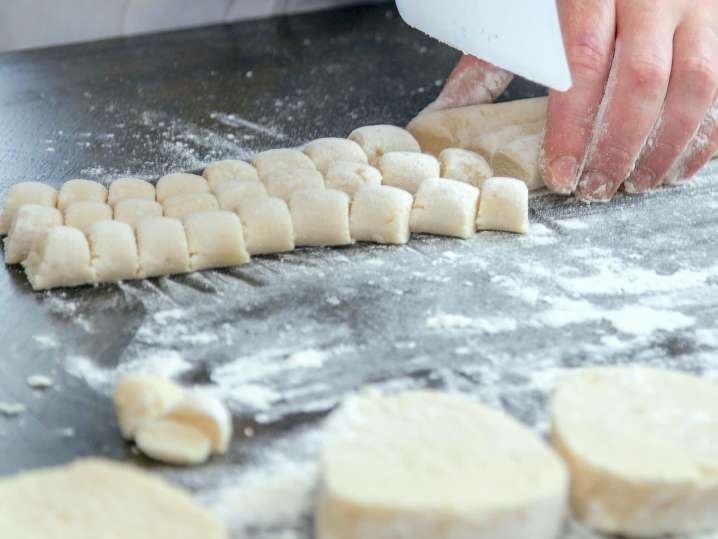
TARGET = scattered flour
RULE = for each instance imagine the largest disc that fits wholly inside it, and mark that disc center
(458, 321)
(571, 224)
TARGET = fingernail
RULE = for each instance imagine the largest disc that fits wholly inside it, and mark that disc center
(563, 174)
(595, 187)
(640, 180)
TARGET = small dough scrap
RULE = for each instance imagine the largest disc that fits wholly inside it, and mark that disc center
(30, 223)
(61, 257)
(325, 151)
(180, 184)
(124, 188)
(487, 144)
(215, 240)
(432, 465)
(267, 225)
(349, 177)
(76, 190)
(504, 206)
(83, 213)
(381, 214)
(134, 210)
(140, 397)
(445, 208)
(464, 166)
(162, 245)
(206, 414)
(229, 170)
(519, 159)
(180, 206)
(113, 251)
(172, 442)
(642, 447)
(98, 498)
(407, 170)
(320, 217)
(377, 140)
(284, 183)
(231, 194)
(281, 159)
(39, 194)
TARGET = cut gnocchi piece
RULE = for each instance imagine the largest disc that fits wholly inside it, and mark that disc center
(30, 223)
(77, 190)
(208, 415)
(36, 193)
(162, 244)
(124, 188)
(325, 151)
(83, 213)
(267, 225)
(180, 184)
(381, 214)
(229, 170)
(320, 217)
(445, 208)
(113, 251)
(180, 206)
(407, 170)
(464, 166)
(282, 159)
(134, 210)
(231, 194)
(172, 442)
(61, 257)
(377, 140)
(215, 240)
(284, 183)
(349, 177)
(504, 206)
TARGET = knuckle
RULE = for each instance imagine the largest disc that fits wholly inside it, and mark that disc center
(702, 73)
(587, 56)
(649, 73)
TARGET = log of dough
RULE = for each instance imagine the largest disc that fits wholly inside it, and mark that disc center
(350, 177)
(320, 217)
(461, 127)
(504, 206)
(445, 208)
(642, 447)
(85, 213)
(180, 184)
(430, 465)
(76, 190)
(61, 257)
(284, 183)
(519, 159)
(124, 188)
(180, 206)
(381, 214)
(162, 245)
(36, 193)
(140, 397)
(215, 240)
(407, 170)
(134, 210)
(229, 170)
(95, 498)
(267, 225)
(487, 144)
(172, 442)
(325, 151)
(30, 223)
(206, 414)
(113, 251)
(231, 194)
(464, 166)
(377, 140)
(281, 159)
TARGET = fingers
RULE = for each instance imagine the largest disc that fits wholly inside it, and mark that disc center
(588, 32)
(472, 82)
(693, 85)
(634, 95)
(701, 149)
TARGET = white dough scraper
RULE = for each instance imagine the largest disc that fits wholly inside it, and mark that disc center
(521, 36)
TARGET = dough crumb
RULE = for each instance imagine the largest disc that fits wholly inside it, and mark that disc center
(39, 381)
(11, 409)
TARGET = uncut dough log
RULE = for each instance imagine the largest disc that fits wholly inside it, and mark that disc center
(229, 170)
(349, 177)
(84, 213)
(61, 257)
(232, 194)
(180, 206)
(377, 140)
(284, 183)
(113, 251)
(206, 414)
(172, 442)
(134, 210)
(519, 159)
(487, 144)
(124, 188)
(76, 190)
(430, 465)
(464, 166)
(95, 498)
(445, 208)
(381, 214)
(642, 447)
(281, 159)
(35, 193)
(407, 170)
(215, 240)
(504, 206)
(162, 245)
(267, 225)
(320, 217)
(462, 127)
(180, 184)
(325, 151)
(30, 223)
(140, 397)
